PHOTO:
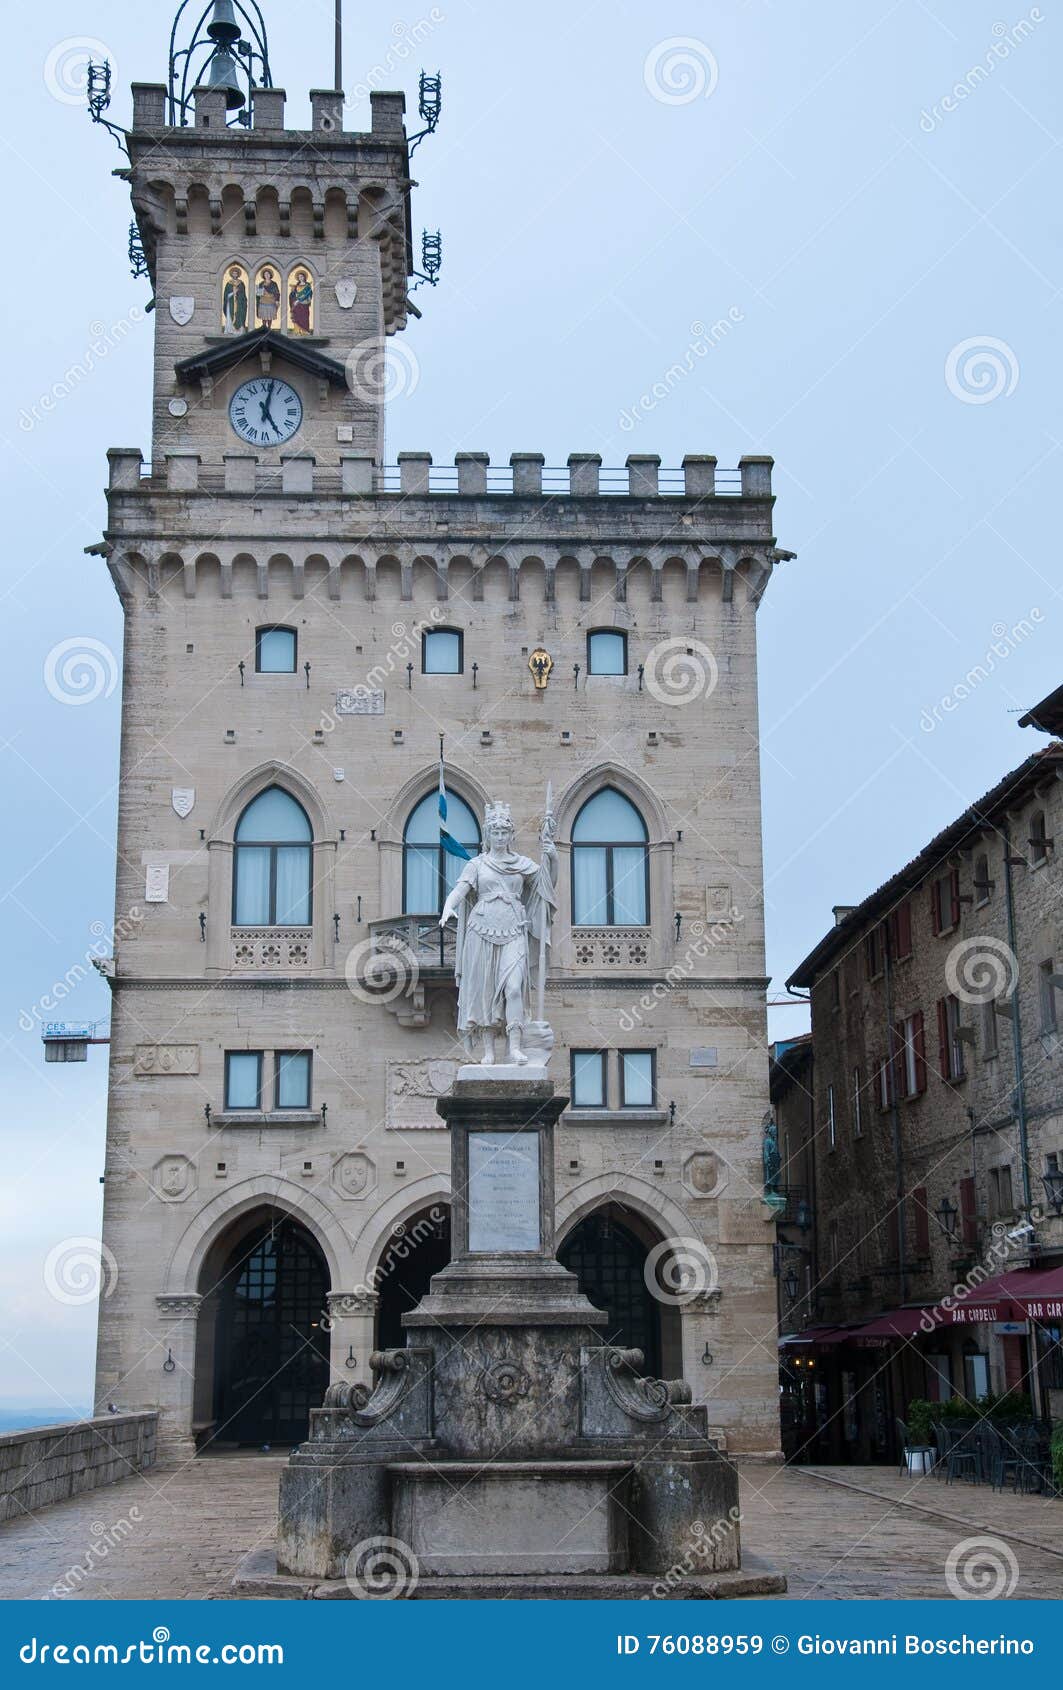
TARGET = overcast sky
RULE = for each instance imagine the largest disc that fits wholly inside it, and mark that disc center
(609, 179)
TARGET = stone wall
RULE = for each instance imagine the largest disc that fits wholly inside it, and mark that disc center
(49, 1463)
(882, 1171)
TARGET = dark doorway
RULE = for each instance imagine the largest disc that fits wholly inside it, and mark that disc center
(416, 1250)
(271, 1354)
(609, 1262)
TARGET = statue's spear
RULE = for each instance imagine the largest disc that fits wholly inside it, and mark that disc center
(545, 833)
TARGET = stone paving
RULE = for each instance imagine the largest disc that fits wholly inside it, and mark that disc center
(837, 1533)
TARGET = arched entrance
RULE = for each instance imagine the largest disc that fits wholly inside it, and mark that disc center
(607, 1252)
(417, 1248)
(270, 1348)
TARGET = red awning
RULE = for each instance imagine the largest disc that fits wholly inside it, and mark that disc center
(1022, 1294)
(894, 1325)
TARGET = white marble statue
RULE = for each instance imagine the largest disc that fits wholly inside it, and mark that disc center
(505, 905)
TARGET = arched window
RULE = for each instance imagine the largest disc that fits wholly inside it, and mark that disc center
(610, 863)
(429, 871)
(271, 873)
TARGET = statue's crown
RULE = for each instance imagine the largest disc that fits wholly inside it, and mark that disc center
(495, 814)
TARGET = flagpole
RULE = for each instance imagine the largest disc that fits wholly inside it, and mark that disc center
(545, 923)
(338, 82)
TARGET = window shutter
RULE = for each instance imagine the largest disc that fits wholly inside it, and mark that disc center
(968, 1213)
(921, 1216)
(943, 1039)
(954, 897)
(919, 1040)
(901, 925)
(935, 908)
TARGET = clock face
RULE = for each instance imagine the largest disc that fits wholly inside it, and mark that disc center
(265, 411)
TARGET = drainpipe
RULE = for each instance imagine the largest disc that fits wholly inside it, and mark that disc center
(1038, 1394)
(895, 1114)
(1016, 1033)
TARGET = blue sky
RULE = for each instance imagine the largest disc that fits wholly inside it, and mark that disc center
(868, 194)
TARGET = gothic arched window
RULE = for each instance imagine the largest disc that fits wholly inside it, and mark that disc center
(428, 870)
(610, 863)
(272, 867)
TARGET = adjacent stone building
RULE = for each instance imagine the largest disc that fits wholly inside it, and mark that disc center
(303, 626)
(938, 1109)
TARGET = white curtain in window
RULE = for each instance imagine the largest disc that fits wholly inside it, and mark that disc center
(293, 886)
(422, 879)
(252, 885)
(589, 886)
(629, 886)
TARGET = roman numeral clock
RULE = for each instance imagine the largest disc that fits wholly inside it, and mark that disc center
(266, 411)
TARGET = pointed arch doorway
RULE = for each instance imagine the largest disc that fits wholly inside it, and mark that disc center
(270, 1347)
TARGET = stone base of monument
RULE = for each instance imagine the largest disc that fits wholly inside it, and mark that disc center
(507, 1450)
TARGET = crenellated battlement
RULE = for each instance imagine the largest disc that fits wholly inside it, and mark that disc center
(472, 475)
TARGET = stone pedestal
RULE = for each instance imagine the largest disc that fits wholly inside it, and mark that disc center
(507, 1438)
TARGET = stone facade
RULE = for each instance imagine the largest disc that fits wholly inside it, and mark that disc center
(922, 997)
(206, 548)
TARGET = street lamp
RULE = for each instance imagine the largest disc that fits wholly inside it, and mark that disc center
(946, 1215)
(1053, 1184)
(791, 1285)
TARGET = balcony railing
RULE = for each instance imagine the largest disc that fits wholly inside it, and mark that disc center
(411, 944)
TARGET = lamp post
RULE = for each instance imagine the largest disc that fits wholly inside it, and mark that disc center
(791, 1285)
(946, 1215)
(1053, 1184)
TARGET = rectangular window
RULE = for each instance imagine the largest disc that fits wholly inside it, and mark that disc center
(1001, 1201)
(291, 1086)
(275, 651)
(975, 1376)
(912, 1073)
(945, 901)
(900, 924)
(442, 651)
(873, 953)
(950, 1044)
(1049, 1017)
(637, 1079)
(858, 1086)
(832, 1125)
(607, 653)
(243, 1079)
(588, 1079)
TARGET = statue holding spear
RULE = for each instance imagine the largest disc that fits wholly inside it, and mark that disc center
(505, 906)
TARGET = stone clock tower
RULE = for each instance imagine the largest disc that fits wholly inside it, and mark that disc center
(302, 624)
